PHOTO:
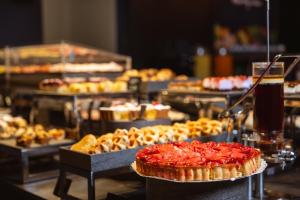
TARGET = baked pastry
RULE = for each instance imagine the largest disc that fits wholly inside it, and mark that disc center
(57, 134)
(104, 143)
(122, 139)
(136, 138)
(186, 86)
(42, 137)
(25, 140)
(198, 161)
(51, 84)
(227, 83)
(292, 87)
(86, 144)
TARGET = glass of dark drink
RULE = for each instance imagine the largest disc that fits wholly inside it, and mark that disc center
(269, 107)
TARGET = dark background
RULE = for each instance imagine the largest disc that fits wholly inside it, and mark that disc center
(20, 22)
(159, 33)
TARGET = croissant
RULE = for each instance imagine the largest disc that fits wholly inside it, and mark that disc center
(85, 144)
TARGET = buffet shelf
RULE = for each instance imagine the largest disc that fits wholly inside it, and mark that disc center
(50, 94)
(229, 96)
(9, 147)
(32, 80)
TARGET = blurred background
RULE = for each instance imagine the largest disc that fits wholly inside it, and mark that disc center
(170, 33)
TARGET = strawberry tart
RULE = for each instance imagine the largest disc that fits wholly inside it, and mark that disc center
(196, 161)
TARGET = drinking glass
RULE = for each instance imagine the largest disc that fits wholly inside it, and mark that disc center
(269, 107)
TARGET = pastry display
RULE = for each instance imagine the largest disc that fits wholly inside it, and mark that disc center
(151, 74)
(227, 83)
(52, 51)
(186, 85)
(131, 111)
(214, 84)
(79, 86)
(25, 135)
(292, 87)
(196, 161)
(67, 68)
(123, 139)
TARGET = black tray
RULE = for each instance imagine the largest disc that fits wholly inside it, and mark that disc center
(22, 155)
(97, 162)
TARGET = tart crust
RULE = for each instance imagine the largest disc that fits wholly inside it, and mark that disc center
(205, 171)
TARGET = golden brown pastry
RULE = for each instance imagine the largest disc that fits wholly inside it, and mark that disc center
(42, 137)
(85, 144)
(25, 140)
(57, 134)
(151, 135)
(104, 143)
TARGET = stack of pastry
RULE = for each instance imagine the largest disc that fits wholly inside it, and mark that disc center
(25, 135)
(122, 139)
(131, 111)
(292, 87)
(186, 86)
(38, 134)
(83, 86)
(152, 74)
(214, 83)
(227, 83)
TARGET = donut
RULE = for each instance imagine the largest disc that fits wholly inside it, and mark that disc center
(216, 130)
(215, 123)
(132, 143)
(137, 135)
(165, 134)
(196, 131)
(180, 130)
(105, 143)
(203, 121)
(151, 135)
(207, 129)
(120, 139)
(121, 132)
(179, 137)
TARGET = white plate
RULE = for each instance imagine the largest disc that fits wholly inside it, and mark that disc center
(262, 167)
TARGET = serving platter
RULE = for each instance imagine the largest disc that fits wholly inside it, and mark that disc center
(261, 169)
